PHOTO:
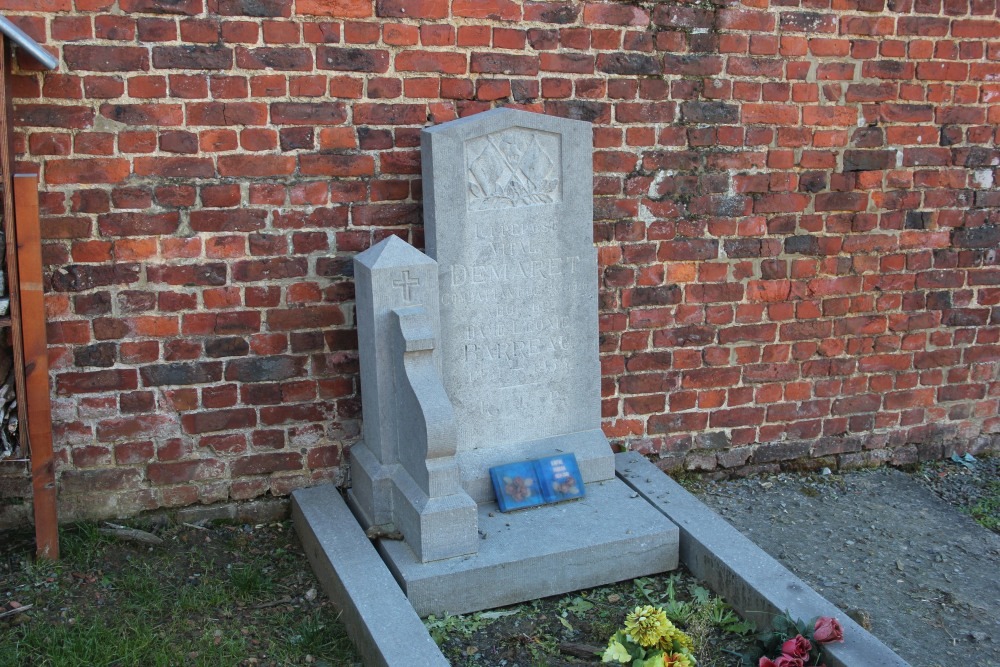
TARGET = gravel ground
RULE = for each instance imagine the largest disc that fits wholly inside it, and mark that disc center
(896, 550)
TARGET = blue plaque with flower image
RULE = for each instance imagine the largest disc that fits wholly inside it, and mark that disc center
(516, 486)
(560, 478)
(530, 483)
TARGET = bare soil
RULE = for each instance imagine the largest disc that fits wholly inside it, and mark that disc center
(898, 550)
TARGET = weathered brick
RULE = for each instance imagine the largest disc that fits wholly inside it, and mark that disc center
(180, 374)
(503, 63)
(259, 464)
(352, 59)
(191, 56)
(265, 369)
(716, 113)
(219, 420)
(96, 381)
(307, 113)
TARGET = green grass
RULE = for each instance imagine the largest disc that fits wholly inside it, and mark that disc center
(987, 510)
(215, 597)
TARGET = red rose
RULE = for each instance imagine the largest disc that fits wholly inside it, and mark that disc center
(766, 662)
(797, 647)
(786, 660)
(828, 630)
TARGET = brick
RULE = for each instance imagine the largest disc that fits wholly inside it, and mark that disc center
(178, 472)
(390, 114)
(265, 369)
(87, 171)
(692, 65)
(180, 374)
(191, 56)
(96, 381)
(987, 236)
(259, 464)
(218, 420)
(770, 114)
(412, 9)
(306, 113)
(275, 58)
(626, 64)
(352, 59)
(503, 63)
(105, 58)
(338, 8)
(716, 113)
(53, 115)
(137, 224)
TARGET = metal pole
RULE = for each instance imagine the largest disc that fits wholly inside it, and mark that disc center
(21, 38)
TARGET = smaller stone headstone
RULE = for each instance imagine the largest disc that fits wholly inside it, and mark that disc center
(405, 475)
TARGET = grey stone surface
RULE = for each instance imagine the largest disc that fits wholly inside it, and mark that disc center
(612, 535)
(753, 582)
(405, 472)
(391, 274)
(508, 213)
(378, 617)
(486, 357)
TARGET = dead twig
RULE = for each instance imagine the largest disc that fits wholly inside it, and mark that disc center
(579, 650)
(15, 610)
(273, 603)
(130, 534)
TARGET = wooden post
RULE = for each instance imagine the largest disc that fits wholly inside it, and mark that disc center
(36, 355)
(34, 410)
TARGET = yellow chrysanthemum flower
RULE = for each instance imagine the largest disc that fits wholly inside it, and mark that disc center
(647, 625)
(675, 634)
(676, 660)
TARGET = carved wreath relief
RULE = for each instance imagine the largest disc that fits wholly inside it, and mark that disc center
(513, 168)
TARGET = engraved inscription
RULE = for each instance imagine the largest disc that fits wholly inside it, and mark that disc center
(512, 168)
(407, 283)
(513, 271)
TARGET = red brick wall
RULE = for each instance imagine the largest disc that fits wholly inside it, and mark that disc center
(795, 210)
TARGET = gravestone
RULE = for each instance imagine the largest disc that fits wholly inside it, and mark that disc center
(508, 211)
(484, 352)
(405, 476)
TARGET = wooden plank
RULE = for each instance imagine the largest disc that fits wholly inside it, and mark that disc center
(36, 353)
(13, 282)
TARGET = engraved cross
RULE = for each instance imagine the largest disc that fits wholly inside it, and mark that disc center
(407, 282)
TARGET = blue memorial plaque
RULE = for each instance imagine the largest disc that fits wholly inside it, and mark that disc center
(560, 478)
(517, 486)
(540, 482)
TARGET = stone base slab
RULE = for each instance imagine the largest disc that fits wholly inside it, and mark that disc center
(611, 535)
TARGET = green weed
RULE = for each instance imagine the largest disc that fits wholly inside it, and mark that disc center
(987, 511)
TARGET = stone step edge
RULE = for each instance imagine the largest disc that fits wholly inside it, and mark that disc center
(379, 619)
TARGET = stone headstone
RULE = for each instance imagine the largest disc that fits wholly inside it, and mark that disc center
(508, 216)
(404, 473)
(486, 353)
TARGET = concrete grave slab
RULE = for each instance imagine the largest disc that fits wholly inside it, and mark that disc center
(611, 536)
